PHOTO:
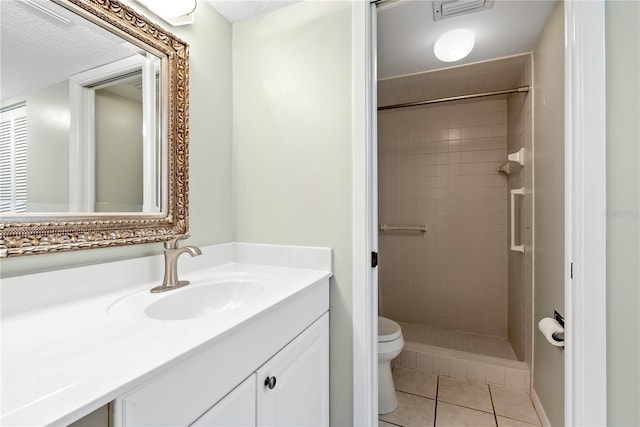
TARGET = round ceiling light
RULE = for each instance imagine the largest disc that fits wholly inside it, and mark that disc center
(454, 45)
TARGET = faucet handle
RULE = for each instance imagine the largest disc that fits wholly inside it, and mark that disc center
(173, 242)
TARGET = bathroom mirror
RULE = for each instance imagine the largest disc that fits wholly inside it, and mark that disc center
(93, 127)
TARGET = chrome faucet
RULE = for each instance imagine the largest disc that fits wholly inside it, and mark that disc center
(171, 254)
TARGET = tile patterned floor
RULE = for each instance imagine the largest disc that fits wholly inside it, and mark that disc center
(426, 399)
(458, 340)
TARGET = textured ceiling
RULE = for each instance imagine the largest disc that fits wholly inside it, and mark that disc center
(407, 30)
(37, 50)
(240, 10)
(407, 33)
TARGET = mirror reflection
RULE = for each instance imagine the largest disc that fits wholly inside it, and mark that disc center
(81, 126)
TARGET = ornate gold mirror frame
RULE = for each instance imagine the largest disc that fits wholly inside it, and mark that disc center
(35, 234)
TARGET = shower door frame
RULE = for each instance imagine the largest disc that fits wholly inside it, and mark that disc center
(585, 232)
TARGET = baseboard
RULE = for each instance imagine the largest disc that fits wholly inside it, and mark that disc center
(539, 409)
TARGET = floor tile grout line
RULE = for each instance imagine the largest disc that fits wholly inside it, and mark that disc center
(437, 400)
(388, 422)
(469, 407)
(435, 408)
(511, 417)
(493, 406)
(416, 395)
(519, 420)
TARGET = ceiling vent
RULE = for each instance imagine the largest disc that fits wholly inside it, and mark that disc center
(443, 9)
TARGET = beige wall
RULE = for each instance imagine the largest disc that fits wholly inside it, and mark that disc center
(623, 194)
(210, 110)
(548, 78)
(520, 266)
(437, 166)
(292, 150)
(118, 171)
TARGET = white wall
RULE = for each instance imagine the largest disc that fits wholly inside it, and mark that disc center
(548, 80)
(623, 203)
(48, 159)
(210, 126)
(210, 109)
(292, 150)
(48, 148)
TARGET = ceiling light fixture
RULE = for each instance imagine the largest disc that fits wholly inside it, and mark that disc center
(454, 45)
(172, 11)
(48, 12)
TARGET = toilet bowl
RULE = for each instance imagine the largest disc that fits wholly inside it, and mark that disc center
(390, 343)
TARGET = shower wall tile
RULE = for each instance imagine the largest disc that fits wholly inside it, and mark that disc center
(455, 275)
(519, 135)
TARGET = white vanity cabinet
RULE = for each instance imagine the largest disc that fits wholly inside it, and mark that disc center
(293, 386)
(288, 388)
(237, 409)
(201, 359)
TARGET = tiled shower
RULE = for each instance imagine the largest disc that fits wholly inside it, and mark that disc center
(457, 285)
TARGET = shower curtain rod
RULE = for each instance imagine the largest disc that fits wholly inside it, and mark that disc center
(455, 98)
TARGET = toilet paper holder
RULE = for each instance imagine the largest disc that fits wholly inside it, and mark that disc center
(558, 336)
(552, 328)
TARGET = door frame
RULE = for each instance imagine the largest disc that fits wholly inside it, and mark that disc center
(585, 214)
(82, 138)
(364, 216)
(585, 374)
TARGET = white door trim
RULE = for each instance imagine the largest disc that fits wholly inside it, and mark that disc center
(364, 211)
(585, 214)
(82, 143)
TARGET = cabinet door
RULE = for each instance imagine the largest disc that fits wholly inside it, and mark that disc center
(238, 408)
(293, 386)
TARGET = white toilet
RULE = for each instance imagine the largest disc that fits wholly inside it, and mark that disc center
(390, 343)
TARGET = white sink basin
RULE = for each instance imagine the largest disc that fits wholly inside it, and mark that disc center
(205, 296)
(204, 300)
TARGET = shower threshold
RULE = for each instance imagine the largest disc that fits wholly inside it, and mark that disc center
(458, 340)
(439, 357)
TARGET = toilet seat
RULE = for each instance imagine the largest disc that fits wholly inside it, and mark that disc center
(388, 330)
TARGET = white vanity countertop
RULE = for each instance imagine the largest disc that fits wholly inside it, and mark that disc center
(61, 362)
